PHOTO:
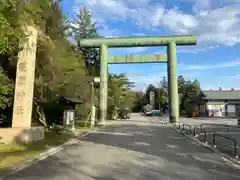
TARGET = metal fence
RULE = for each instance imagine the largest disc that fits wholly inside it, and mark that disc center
(229, 143)
(205, 132)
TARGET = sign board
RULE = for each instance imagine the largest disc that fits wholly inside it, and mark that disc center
(69, 119)
(97, 79)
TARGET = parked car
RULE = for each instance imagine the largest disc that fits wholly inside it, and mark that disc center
(153, 113)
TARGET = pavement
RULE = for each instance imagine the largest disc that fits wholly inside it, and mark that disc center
(139, 148)
(223, 126)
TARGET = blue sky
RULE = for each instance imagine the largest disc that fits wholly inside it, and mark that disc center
(214, 61)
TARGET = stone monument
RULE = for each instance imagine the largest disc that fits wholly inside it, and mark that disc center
(23, 97)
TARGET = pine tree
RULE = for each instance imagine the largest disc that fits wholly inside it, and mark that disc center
(84, 27)
(164, 83)
(163, 93)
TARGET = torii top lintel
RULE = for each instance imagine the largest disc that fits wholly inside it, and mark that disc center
(138, 41)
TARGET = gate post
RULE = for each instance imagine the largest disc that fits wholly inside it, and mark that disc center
(103, 82)
(172, 83)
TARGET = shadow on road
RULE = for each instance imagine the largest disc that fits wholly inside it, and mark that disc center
(132, 152)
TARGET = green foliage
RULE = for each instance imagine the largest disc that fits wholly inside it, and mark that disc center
(163, 93)
(62, 67)
(11, 16)
(188, 94)
(84, 27)
(6, 91)
(120, 94)
(60, 71)
(140, 101)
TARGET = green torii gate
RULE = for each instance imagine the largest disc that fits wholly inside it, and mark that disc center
(170, 41)
(131, 59)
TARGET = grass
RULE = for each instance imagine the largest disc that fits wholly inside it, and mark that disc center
(13, 154)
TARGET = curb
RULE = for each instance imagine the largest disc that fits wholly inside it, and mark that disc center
(43, 155)
(227, 159)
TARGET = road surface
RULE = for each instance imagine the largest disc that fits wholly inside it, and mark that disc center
(200, 120)
(131, 150)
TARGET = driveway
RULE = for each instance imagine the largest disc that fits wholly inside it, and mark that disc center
(131, 150)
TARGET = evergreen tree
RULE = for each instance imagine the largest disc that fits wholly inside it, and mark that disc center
(164, 83)
(163, 93)
(84, 27)
(192, 96)
(181, 90)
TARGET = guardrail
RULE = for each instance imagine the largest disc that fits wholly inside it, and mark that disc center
(195, 129)
(190, 128)
(178, 124)
(205, 135)
(202, 131)
(224, 125)
(228, 138)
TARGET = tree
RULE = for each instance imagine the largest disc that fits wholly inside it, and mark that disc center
(140, 101)
(181, 90)
(84, 27)
(120, 94)
(60, 70)
(119, 88)
(6, 91)
(192, 96)
(163, 93)
(164, 83)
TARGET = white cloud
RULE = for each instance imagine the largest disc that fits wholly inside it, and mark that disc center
(213, 66)
(157, 16)
(139, 11)
(215, 22)
(217, 26)
(202, 5)
(207, 5)
(105, 31)
(179, 22)
(126, 51)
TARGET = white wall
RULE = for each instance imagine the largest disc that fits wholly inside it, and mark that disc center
(216, 109)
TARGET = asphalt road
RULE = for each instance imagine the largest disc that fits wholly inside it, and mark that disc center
(131, 150)
(198, 121)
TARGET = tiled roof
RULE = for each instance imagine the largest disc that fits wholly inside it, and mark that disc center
(73, 99)
(221, 94)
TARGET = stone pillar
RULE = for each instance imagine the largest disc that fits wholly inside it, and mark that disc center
(23, 97)
(103, 83)
(173, 102)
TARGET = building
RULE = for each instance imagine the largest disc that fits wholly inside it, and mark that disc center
(220, 103)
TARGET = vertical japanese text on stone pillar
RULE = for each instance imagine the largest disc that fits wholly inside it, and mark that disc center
(24, 85)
